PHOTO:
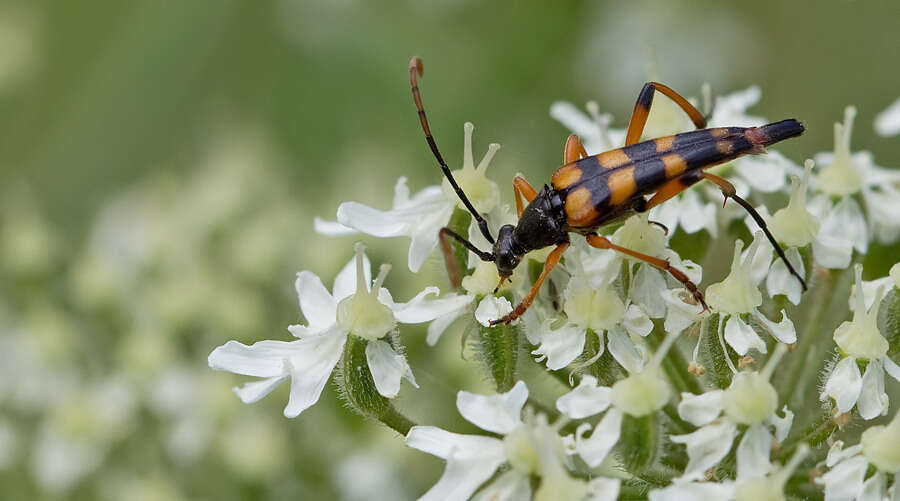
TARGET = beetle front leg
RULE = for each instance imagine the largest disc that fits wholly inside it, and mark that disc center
(552, 261)
(574, 150)
(521, 188)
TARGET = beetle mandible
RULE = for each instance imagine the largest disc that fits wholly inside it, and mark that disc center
(590, 191)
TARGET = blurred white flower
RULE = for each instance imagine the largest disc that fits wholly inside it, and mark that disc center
(887, 123)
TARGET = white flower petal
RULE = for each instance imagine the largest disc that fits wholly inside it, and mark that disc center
(762, 258)
(782, 425)
(594, 449)
(691, 491)
(887, 123)
(874, 488)
(882, 207)
(871, 289)
(695, 215)
(561, 346)
(604, 489)
(624, 350)
(372, 221)
(425, 236)
(332, 228)
(511, 485)
(753, 453)
(585, 400)
(764, 173)
(844, 384)
(891, 368)
(845, 480)
(497, 413)
(462, 477)
(637, 322)
(492, 308)
(783, 331)
(836, 453)
(645, 289)
(317, 305)
(440, 324)
(701, 409)
(345, 281)
(262, 359)
(832, 251)
(841, 226)
(387, 368)
(421, 309)
(706, 447)
(780, 281)
(311, 369)
(742, 337)
(730, 110)
(873, 401)
(679, 315)
(255, 390)
(442, 444)
(573, 119)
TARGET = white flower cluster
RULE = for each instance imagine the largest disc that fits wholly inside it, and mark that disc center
(673, 401)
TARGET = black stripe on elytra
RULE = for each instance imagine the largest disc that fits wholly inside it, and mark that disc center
(649, 174)
(639, 151)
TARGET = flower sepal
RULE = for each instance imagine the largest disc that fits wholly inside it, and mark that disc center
(357, 388)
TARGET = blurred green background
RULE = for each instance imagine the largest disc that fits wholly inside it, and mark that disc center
(161, 163)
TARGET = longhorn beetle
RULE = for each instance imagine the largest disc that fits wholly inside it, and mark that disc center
(590, 191)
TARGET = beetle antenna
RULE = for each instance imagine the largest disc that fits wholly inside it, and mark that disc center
(415, 66)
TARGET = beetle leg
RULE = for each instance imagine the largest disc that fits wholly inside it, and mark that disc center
(672, 188)
(729, 191)
(663, 264)
(574, 150)
(521, 188)
(450, 260)
(552, 261)
(642, 110)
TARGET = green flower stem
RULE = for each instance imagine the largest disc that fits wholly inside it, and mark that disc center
(357, 388)
(674, 364)
(498, 349)
(815, 435)
(828, 306)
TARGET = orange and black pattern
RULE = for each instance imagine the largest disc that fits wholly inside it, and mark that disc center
(602, 188)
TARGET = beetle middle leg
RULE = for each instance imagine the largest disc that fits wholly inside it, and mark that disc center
(663, 264)
(521, 188)
(552, 261)
(642, 110)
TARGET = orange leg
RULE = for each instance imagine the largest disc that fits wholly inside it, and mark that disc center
(729, 192)
(521, 188)
(671, 189)
(552, 261)
(642, 110)
(663, 264)
(574, 150)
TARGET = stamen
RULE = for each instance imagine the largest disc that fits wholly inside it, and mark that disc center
(361, 285)
(663, 349)
(773, 360)
(492, 149)
(382, 274)
(468, 162)
(860, 300)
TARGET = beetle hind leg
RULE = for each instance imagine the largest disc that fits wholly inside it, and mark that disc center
(642, 110)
